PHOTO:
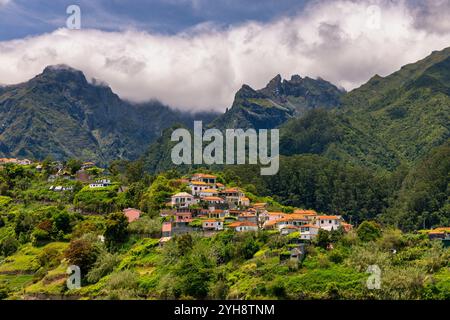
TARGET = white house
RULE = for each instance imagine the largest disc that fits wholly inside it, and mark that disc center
(242, 226)
(100, 183)
(206, 178)
(182, 200)
(212, 224)
(328, 222)
(197, 187)
(208, 193)
(308, 231)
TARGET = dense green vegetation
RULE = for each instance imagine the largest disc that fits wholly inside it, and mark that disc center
(40, 236)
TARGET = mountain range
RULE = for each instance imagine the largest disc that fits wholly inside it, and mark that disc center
(386, 122)
(60, 114)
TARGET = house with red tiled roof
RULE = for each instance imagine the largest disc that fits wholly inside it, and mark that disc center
(132, 214)
(183, 216)
(217, 213)
(275, 215)
(212, 225)
(208, 193)
(198, 186)
(328, 222)
(247, 216)
(241, 226)
(203, 177)
(182, 200)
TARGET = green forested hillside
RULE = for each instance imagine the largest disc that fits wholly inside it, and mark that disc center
(42, 232)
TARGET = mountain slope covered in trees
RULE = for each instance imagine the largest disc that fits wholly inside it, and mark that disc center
(59, 113)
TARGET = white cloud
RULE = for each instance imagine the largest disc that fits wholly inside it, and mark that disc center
(345, 42)
(4, 2)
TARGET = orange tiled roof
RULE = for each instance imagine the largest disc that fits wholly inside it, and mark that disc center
(305, 212)
(212, 198)
(247, 214)
(231, 190)
(276, 213)
(242, 224)
(211, 220)
(328, 217)
(199, 183)
(204, 175)
(445, 229)
(209, 191)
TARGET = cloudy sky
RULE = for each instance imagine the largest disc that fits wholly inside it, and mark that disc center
(195, 54)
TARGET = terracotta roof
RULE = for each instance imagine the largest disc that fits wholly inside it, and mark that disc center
(260, 204)
(204, 175)
(199, 183)
(209, 191)
(305, 212)
(328, 217)
(276, 213)
(242, 224)
(219, 184)
(212, 199)
(270, 223)
(446, 229)
(211, 220)
(247, 214)
(436, 232)
(132, 214)
(231, 190)
(295, 216)
(182, 194)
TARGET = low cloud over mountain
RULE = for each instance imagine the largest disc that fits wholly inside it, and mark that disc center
(345, 42)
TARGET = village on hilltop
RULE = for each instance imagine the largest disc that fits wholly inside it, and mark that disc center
(206, 206)
(211, 207)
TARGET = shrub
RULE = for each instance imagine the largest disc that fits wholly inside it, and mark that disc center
(83, 253)
(368, 231)
(103, 266)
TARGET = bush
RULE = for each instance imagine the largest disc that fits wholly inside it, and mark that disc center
(103, 266)
(83, 253)
(49, 257)
(122, 285)
(8, 246)
(368, 231)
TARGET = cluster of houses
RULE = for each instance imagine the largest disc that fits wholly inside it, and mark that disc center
(209, 206)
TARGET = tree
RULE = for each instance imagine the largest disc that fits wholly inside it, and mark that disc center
(323, 238)
(116, 229)
(368, 231)
(74, 165)
(62, 222)
(82, 253)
